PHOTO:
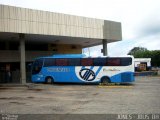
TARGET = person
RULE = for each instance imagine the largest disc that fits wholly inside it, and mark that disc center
(8, 73)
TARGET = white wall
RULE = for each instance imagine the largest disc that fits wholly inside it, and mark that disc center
(139, 60)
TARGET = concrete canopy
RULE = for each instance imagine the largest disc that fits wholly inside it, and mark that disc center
(44, 26)
(84, 42)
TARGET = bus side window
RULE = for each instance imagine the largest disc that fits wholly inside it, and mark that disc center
(113, 62)
(126, 61)
(74, 62)
(61, 62)
(87, 61)
(49, 62)
(99, 61)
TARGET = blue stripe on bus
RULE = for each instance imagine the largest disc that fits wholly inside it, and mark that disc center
(83, 67)
(123, 77)
(99, 69)
(91, 67)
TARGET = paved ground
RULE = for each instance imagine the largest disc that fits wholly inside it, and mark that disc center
(141, 97)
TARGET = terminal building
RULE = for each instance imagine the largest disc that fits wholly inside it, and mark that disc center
(27, 33)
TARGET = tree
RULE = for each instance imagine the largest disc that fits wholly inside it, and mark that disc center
(155, 58)
(137, 50)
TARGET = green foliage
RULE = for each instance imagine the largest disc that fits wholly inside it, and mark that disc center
(155, 58)
(137, 51)
(140, 52)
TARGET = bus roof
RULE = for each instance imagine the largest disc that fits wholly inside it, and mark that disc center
(76, 56)
(66, 56)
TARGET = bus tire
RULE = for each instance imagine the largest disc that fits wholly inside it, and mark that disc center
(49, 80)
(105, 80)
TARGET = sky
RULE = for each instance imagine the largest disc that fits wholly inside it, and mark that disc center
(140, 19)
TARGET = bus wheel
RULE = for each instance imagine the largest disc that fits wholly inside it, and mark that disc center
(105, 80)
(49, 80)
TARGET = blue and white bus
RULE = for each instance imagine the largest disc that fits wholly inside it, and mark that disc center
(77, 68)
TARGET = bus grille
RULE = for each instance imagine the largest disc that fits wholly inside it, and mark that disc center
(126, 77)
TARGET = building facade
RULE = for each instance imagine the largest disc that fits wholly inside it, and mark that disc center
(26, 34)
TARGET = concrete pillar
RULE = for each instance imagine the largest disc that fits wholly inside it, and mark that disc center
(22, 61)
(104, 47)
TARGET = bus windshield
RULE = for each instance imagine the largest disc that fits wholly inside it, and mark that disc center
(37, 66)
